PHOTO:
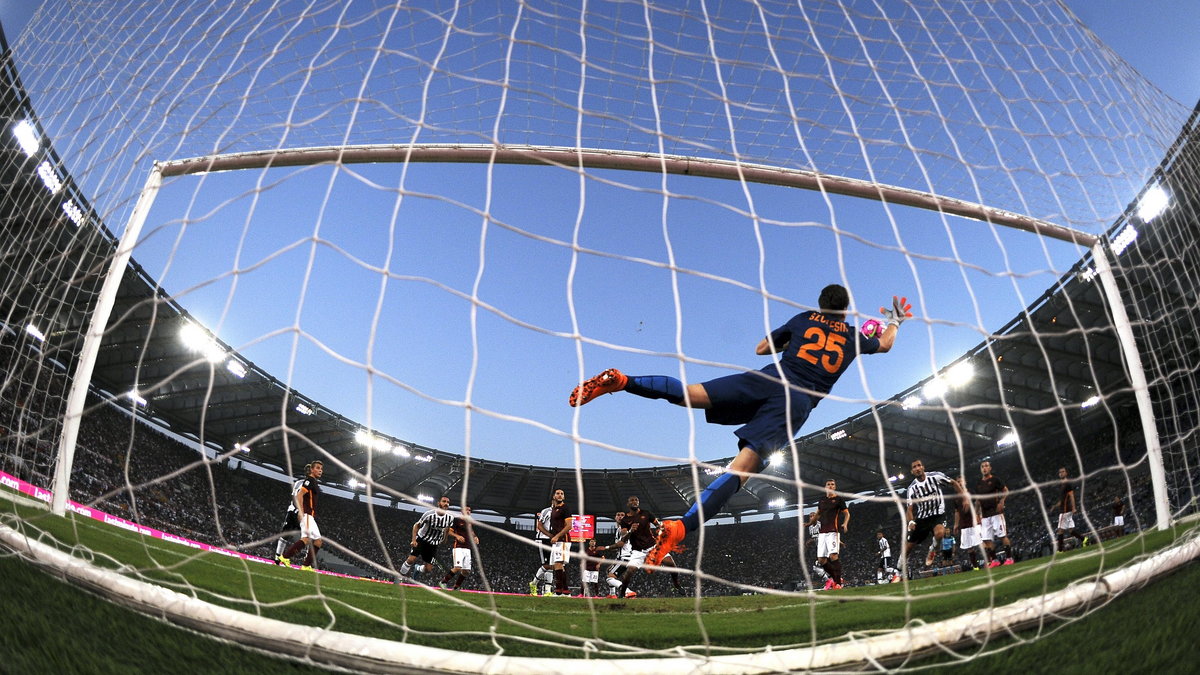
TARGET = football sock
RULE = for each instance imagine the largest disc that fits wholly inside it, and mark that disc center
(446, 578)
(293, 549)
(311, 557)
(560, 581)
(459, 580)
(405, 568)
(656, 386)
(712, 499)
(614, 584)
(836, 571)
(280, 546)
(675, 580)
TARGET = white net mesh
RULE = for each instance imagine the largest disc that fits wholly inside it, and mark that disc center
(417, 324)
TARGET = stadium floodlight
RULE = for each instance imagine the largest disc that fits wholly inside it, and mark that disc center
(51, 180)
(74, 212)
(911, 402)
(1088, 273)
(776, 503)
(197, 339)
(241, 447)
(1007, 440)
(35, 332)
(303, 409)
(1123, 239)
(236, 367)
(934, 388)
(27, 137)
(1093, 400)
(363, 437)
(837, 435)
(960, 374)
(1152, 203)
(714, 471)
(400, 450)
(137, 398)
(353, 482)
(776, 458)
(424, 458)
(425, 498)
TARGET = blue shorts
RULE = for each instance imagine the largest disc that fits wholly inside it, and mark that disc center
(762, 405)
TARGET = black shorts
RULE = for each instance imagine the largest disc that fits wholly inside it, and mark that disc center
(291, 523)
(424, 550)
(544, 551)
(885, 562)
(925, 527)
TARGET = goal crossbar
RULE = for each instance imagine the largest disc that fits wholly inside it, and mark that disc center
(590, 158)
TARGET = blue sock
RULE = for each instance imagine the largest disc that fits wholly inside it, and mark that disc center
(656, 386)
(713, 498)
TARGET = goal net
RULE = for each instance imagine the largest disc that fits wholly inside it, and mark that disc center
(393, 237)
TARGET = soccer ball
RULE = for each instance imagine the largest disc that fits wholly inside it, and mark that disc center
(872, 328)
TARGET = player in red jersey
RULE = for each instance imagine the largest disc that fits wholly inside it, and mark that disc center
(462, 534)
(830, 511)
(991, 493)
(306, 499)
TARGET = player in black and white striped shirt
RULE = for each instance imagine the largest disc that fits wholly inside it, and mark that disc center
(427, 533)
(291, 521)
(543, 576)
(926, 510)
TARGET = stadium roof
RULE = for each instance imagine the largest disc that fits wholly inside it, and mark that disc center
(1032, 376)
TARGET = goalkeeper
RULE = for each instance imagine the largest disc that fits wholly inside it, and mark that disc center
(771, 404)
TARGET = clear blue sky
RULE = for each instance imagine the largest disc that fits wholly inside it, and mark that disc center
(417, 333)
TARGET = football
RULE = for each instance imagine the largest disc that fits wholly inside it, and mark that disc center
(872, 328)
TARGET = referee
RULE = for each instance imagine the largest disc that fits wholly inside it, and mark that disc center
(427, 533)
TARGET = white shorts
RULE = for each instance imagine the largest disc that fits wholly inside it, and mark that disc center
(1066, 521)
(308, 528)
(636, 558)
(968, 537)
(994, 527)
(828, 543)
(591, 576)
(1119, 521)
(560, 552)
(462, 558)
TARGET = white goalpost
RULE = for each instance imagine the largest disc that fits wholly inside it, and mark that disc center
(392, 237)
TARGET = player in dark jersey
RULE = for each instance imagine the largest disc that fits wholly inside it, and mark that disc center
(591, 568)
(1067, 508)
(641, 525)
(464, 541)
(291, 521)
(966, 523)
(1118, 508)
(991, 492)
(306, 505)
(560, 541)
(829, 514)
(771, 404)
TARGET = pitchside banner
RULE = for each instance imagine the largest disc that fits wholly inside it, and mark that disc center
(44, 495)
(583, 528)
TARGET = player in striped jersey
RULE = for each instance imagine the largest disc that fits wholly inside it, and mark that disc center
(427, 533)
(291, 522)
(884, 553)
(926, 510)
(621, 542)
(543, 577)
